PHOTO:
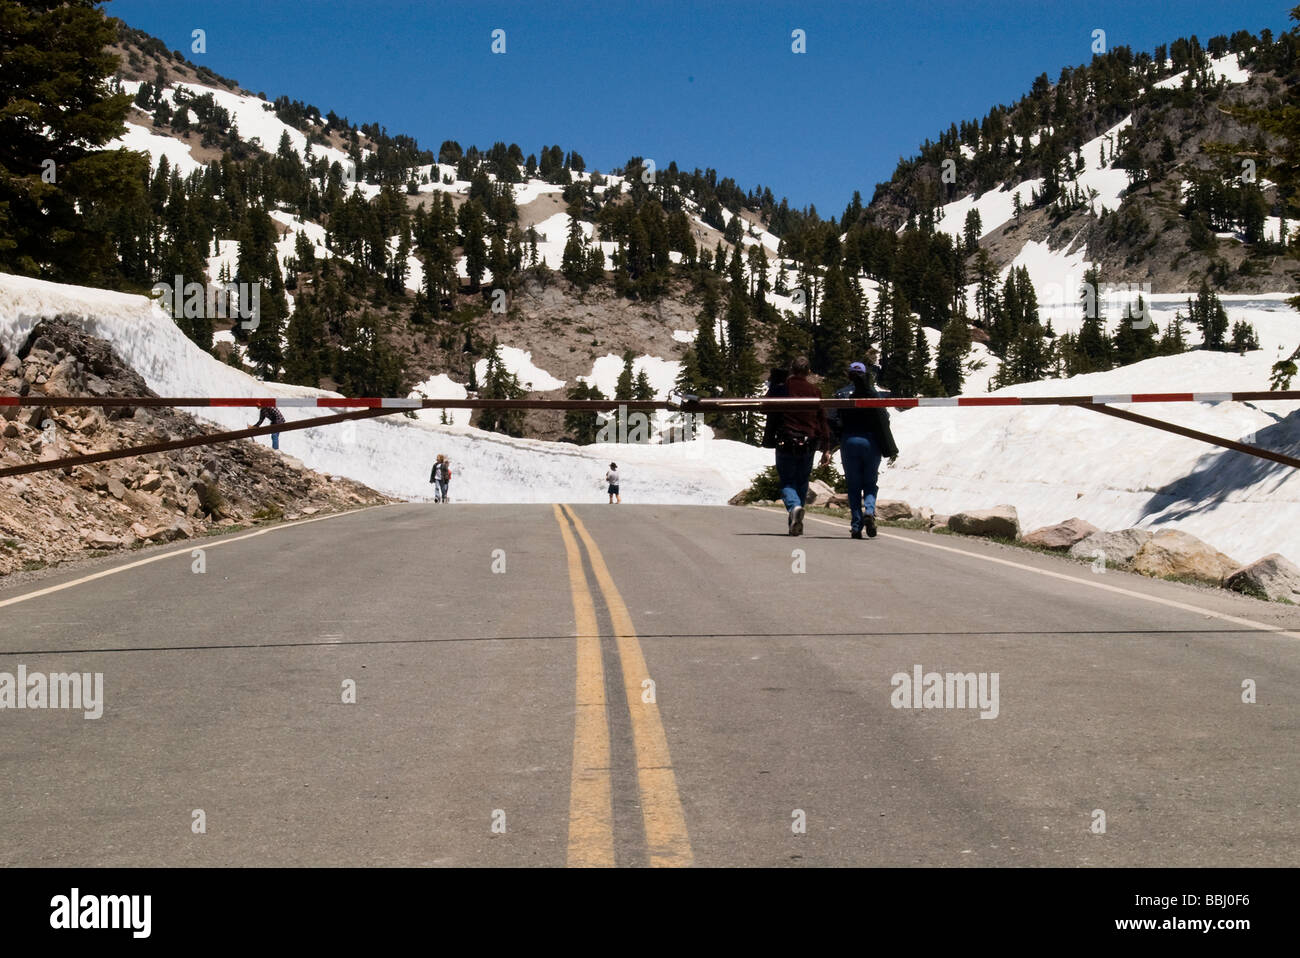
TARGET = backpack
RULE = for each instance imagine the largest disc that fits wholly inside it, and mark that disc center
(833, 418)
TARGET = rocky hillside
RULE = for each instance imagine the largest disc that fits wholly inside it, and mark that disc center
(49, 517)
(1174, 131)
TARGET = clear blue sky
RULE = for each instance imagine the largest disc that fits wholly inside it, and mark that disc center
(712, 83)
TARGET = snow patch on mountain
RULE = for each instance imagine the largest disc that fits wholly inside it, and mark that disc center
(520, 362)
(141, 140)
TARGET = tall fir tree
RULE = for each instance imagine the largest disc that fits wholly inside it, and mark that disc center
(61, 192)
(954, 345)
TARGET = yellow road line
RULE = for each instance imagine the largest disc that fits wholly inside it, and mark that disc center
(591, 817)
(661, 805)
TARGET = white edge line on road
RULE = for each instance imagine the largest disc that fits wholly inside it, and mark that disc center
(1172, 603)
(195, 544)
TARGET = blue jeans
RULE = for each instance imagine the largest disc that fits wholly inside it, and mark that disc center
(275, 440)
(794, 472)
(861, 459)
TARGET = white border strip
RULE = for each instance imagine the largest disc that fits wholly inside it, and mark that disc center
(195, 544)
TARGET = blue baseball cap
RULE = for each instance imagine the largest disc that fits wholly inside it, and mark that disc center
(857, 368)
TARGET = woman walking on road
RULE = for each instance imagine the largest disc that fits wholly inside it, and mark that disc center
(440, 477)
(864, 438)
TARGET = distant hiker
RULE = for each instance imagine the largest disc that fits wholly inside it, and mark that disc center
(276, 417)
(446, 480)
(438, 476)
(873, 364)
(775, 389)
(873, 369)
(611, 477)
(864, 436)
(800, 434)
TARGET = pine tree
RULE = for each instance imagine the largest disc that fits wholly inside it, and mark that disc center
(986, 295)
(56, 114)
(743, 373)
(972, 230)
(641, 388)
(1093, 351)
(1174, 340)
(708, 354)
(304, 355)
(896, 364)
(1210, 317)
(500, 383)
(832, 349)
(623, 388)
(582, 426)
(1244, 337)
(954, 345)
(919, 370)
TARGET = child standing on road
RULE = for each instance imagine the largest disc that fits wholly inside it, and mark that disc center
(612, 478)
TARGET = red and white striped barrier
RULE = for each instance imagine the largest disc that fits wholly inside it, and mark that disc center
(702, 405)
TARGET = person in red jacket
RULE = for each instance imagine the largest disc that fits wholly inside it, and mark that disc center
(801, 434)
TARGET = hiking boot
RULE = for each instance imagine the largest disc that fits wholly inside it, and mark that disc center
(856, 533)
(870, 523)
(796, 521)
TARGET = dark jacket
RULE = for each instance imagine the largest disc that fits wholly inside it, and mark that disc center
(772, 426)
(870, 422)
(808, 422)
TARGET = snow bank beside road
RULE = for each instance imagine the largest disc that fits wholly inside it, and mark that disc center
(392, 455)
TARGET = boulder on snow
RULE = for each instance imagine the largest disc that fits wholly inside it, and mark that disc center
(1117, 548)
(738, 499)
(1175, 553)
(1274, 577)
(1063, 535)
(1000, 521)
(892, 510)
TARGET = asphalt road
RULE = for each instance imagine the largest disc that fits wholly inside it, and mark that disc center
(641, 685)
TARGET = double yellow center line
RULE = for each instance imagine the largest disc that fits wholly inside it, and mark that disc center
(591, 824)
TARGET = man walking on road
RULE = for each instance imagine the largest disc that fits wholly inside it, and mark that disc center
(801, 433)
